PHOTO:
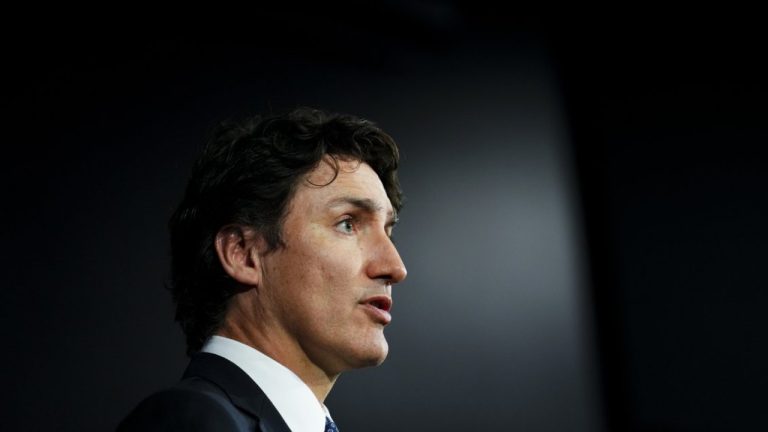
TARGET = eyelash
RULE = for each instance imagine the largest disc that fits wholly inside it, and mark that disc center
(348, 220)
(353, 226)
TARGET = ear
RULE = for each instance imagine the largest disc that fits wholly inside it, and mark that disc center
(238, 254)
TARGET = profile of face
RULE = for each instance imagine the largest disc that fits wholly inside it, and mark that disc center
(329, 288)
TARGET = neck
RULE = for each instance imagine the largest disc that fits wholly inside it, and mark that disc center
(275, 343)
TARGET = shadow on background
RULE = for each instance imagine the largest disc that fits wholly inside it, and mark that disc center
(668, 116)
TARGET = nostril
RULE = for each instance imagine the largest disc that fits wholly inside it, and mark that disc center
(398, 275)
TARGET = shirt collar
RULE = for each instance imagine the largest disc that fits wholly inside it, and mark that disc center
(291, 397)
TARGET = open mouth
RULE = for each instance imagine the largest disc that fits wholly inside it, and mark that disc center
(380, 302)
(378, 308)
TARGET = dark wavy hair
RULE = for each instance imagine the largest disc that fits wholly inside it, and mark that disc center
(246, 176)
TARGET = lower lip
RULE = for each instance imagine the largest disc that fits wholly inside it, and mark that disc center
(378, 315)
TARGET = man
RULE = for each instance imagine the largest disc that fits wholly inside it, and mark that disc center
(282, 272)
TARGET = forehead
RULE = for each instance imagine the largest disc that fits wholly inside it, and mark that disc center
(353, 179)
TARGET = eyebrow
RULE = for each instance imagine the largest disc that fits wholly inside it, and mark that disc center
(366, 204)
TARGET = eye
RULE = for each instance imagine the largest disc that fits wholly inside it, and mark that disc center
(347, 226)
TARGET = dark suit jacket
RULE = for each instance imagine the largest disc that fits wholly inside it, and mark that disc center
(213, 395)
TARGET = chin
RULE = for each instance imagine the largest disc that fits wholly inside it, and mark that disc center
(373, 354)
(377, 355)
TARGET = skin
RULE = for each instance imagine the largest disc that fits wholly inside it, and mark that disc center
(308, 304)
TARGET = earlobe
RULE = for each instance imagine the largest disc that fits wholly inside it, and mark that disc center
(236, 248)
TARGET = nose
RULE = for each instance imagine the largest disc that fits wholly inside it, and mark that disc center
(385, 262)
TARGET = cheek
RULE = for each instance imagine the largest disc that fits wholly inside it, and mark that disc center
(317, 279)
(324, 274)
(341, 270)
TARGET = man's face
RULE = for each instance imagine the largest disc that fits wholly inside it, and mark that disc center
(330, 287)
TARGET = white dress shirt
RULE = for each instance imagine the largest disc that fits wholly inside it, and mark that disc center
(294, 401)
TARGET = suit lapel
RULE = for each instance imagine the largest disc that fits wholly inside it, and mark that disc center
(239, 387)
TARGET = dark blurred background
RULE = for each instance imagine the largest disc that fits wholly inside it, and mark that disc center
(584, 226)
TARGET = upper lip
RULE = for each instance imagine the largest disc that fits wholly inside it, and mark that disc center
(379, 301)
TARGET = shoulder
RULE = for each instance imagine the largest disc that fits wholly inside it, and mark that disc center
(187, 408)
